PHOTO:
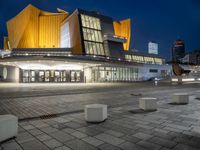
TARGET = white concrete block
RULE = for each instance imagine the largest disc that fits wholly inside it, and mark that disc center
(8, 127)
(197, 94)
(148, 103)
(180, 98)
(95, 112)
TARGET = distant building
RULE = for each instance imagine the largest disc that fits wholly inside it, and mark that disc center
(178, 50)
(153, 48)
(192, 58)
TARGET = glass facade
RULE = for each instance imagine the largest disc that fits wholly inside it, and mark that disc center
(52, 76)
(92, 35)
(110, 74)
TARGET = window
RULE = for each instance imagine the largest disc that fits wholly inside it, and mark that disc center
(149, 60)
(153, 70)
(158, 60)
(90, 22)
(92, 36)
(65, 36)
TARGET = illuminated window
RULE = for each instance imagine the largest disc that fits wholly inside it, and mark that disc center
(158, 60)
(149, 60)
(93, 41)
(90, 22)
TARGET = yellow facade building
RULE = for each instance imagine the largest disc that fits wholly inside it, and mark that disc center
(34, 28)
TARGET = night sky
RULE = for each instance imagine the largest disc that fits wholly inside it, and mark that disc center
(152, 20)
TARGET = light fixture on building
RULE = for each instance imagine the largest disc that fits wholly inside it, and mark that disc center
(119, 59)
(94, 56)
(107, 57)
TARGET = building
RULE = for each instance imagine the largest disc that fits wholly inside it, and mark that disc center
(153, 48)
(192, 58)
(82, 46)
(178, 50)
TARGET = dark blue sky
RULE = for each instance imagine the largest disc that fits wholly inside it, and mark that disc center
(158, 20)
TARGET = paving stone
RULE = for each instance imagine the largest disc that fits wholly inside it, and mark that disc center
(43, 137)
(184, 147)
(62, 148)
(24, 137)
(52, 143)
(107, 146)
(131, 139)
(89, 131)
(28, 127)
(73, 125)
(41, 125)
(20, 129)
(48, 129)
(78, 134)
(34, 145)
(93, 141)
(114, 133)
(148, 145)
(164, 148)
(61, 120)
(61, 136)
(11, 146)
(130, 146)
(79, 145)
(109, 139)
(68, 130)
(163, 142)
(142, 136)
(35, 132)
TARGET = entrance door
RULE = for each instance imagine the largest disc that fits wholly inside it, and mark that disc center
(47, 76)
(41, 76)
(32, 76)
(57, 76)
(75, 76)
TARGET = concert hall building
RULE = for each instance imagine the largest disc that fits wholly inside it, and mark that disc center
(82, 46)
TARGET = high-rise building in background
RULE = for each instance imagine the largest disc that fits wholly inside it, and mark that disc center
(153, 48)
(178, 50)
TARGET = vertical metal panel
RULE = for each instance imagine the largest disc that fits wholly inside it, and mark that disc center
(123, 28)
(74, 28)
(49, 30)
(33, 28)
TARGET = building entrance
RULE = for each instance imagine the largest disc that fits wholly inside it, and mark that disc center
(52, 76)
(75, 76)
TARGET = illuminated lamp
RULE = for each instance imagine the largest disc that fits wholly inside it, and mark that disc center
(188, 79)
(174, 80)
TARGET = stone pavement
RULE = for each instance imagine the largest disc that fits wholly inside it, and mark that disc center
(171, 127)
(39, 106)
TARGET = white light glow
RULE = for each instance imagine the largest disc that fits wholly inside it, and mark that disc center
(174, 80)
(188, 79)
(50, 67)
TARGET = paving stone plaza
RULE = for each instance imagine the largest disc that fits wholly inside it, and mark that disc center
(52, 117)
